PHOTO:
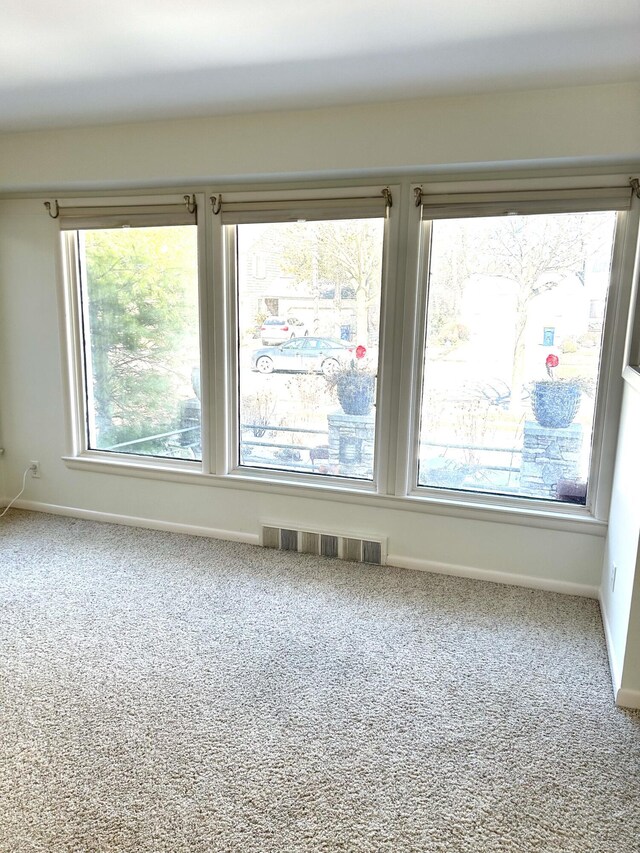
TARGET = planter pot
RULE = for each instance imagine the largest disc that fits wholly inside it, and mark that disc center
(555, 404)
(356, 392)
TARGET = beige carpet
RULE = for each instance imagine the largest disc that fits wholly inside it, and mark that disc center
(166, 693)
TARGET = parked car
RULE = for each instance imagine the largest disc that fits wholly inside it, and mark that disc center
(308, 355)
(274, 330)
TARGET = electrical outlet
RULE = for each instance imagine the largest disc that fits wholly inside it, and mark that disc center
(614, 571)
(34, 467)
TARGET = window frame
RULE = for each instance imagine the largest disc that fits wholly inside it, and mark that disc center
(605, 418)
(95, 214)
(312, 205)
(631, 369)
(400, 351)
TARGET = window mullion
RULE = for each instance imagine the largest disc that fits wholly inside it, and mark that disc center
(392, 305)
(222, 369)
(412, 359)
(73, 340)
(207, 333)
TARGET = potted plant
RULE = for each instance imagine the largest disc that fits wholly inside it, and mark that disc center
(355, 385)
(555, 402)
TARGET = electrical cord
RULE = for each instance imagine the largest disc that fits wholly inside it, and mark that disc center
(24, 486)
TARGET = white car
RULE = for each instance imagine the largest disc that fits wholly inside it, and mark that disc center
(274, 330)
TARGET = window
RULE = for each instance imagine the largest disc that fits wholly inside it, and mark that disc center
(466, 362)
(505, 410)
(138, 294)
(307, 378)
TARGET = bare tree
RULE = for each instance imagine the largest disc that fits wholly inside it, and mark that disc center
(342, 256)
(537, 253)
(534, 254)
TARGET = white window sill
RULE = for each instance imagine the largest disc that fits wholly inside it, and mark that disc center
(573, 519)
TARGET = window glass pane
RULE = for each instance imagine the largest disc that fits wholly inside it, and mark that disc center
(515, 318)
(140, 309)
(308, 345)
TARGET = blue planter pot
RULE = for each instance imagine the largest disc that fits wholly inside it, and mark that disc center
(555, 404)
(356, 392)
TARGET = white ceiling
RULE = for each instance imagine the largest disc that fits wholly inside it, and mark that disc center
(70, 62)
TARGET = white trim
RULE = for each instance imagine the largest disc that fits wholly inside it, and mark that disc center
(632, 340)
(607, 403)
(387, 332)
(623, 696)
(528, 581)
(214, 404)
(631, 376)
(205, 331)
(96, 460)
(135, 521)
(569, 522)
(393, 560)
(626, 698)
(401, 346)
(614, 666)
(71, 348)
(609, 386)
(391, 349)
(410, 375)
(350, 485)
(74, 325)
(230, 285)
(227, 388)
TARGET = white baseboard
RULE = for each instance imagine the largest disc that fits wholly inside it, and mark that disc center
(614, 665)
(547, 584)
(134, 521)
(628, 698)
(623, 696)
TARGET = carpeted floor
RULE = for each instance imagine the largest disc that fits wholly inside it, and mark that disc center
(166, 693)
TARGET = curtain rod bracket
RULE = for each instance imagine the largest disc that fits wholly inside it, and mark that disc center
(388, 199)
(55, 215)
(216, 204)
(635, 186)
(417, 193)
(190, 202)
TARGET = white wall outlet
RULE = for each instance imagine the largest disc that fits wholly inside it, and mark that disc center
(34, 467)
(614, 572)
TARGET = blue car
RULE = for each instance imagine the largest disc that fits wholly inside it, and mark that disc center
(306, 355)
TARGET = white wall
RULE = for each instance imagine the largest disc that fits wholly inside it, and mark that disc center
(630, 687)
(577, 124)
(595, 123)
(33, 427)
(621, 603)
